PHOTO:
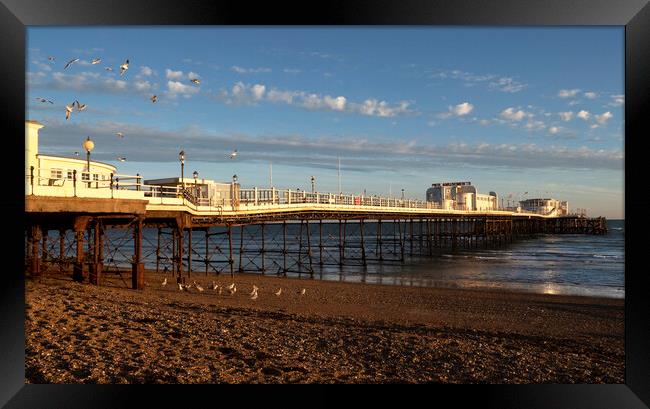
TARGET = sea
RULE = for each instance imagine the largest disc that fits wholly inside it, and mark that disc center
(571, 264)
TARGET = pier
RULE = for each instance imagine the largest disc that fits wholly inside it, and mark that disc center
(220, 228)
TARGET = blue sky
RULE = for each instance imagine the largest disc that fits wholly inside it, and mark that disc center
(514, 110)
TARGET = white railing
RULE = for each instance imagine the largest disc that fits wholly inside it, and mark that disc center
(83, 184)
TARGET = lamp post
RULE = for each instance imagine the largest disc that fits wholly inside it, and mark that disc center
(402, 194)
(195, 174)
(88, 145)
(313, 184)
(181, 157)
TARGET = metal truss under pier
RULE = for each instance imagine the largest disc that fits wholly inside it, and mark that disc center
(92, 238)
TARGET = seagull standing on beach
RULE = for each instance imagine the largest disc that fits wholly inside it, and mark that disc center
(164, 283)
(303, 291)
(254, 290)
(279, 292)
(124, 67)
(180, 286)
(232, 290)
(254, 296)
(198, 287)
(71, 62)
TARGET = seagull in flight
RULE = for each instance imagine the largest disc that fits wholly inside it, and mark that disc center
(120, 134)
(154, 99)
(68, 110)
(96, 61)
(108, 69)
(195, 81)
(233, 154)
(124, 67)
(43, 100)
(71, 62)
(164, 283)
(51, 58)
(76, 153)
(80, 107)
(279, 292)
(121, 158)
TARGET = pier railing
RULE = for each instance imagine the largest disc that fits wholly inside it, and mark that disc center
(52, 182)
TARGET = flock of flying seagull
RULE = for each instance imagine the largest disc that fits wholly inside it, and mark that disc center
(231, 289)
(70, 108)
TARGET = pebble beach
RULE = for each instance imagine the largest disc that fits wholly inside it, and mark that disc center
(336, 332)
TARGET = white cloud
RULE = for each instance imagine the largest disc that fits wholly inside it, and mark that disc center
(554, 130)
(566, 116)
(142, 86)
(511, 115)
(591, 95)
(618, 100)
(572, 103)
(174, 88)
(173, 75)
(583, 115)
(258, 91)
(292, 71)
(603, 118)
(374, 107)
(507, 84)
(463, 109)
(192, 75)
(337, 104)
(241, 70)
(146, 71)
(287, 97)
(568, 93)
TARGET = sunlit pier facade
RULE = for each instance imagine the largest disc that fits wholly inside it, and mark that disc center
(88, 197)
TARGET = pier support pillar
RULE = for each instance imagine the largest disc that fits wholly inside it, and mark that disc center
(137, 277)
(95, 271)
(34, 260)
(77, 268)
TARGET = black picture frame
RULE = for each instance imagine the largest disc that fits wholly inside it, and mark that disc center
(15, 15)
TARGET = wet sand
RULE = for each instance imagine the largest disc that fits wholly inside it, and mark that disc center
(335, 333)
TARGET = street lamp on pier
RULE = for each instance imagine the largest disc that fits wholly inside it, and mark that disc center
(181, 157)
(88, 145)
(195, 174)
(313, 184)
(402, 194)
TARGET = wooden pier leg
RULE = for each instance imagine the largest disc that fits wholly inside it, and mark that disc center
(77, 270)
(300, 247)
(241, 249)
(263, 249)
(207, 250)
(410, 237)
(189, 252)
(320, 242)
(230, 258)
(341, 243)
(379, 241)
(429, 244)
(44, 237)
(421, 233)
(363, 245)
(284, 246)
(311, 269)
(401, 238)
(34, 239)
(181, 250)
(175, 269)
(158, 252)
(137, 278)
(96, 267)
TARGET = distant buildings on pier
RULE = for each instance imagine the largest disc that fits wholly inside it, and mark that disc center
(463, 196)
